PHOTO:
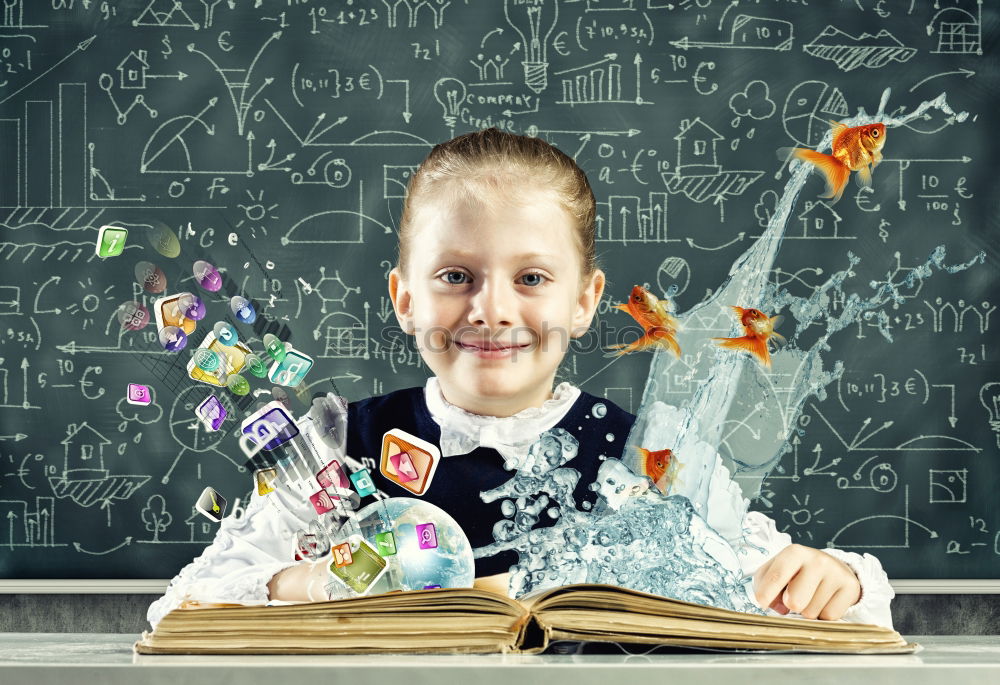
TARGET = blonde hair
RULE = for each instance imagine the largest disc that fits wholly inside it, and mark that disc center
(506, 164)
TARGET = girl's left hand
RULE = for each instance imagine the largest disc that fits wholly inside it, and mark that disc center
(807, 581)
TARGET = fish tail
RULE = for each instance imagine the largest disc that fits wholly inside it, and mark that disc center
(753, 344)
(666, 339)
(640, 343)
(834, 171)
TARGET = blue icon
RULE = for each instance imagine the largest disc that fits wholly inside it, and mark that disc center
(291, 370)
(272, 416)
(242, 309)
(225, 333)
(363, 482)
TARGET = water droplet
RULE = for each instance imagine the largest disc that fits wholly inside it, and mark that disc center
(610, 437)
(507, 508)
(600, 410)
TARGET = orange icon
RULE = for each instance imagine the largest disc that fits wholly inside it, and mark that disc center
(408, 461)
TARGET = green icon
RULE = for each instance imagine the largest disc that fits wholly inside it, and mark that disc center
(364, 570)
(238, 385)
(274, 347)
(206, 359)
(386, 543)
(255, 365)
(111, 241)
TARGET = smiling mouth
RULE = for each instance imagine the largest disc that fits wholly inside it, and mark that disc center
(490, 348)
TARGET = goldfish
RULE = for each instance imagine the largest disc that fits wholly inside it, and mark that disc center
(656, 464)
(857, 148)
(758, 330)
(651, 313)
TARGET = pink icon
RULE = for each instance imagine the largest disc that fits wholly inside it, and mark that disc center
(138, 394)
(321, 501)
(333, 475)
(427, 536)
(404, 467)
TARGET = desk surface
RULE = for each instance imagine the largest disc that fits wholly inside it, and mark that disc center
(81, 659)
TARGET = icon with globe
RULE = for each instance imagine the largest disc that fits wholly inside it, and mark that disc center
(430, 548)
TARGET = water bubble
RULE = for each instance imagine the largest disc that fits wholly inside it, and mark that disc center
(207, 276)
(133, 316)
(255, 365)
(225, 333)
(242, 309)
(206, 359)
(173, 338)
(599, 410)
(507, 508)
(238, 385)
(553, 512)
(587, 505)
(191, 306)
(610, 437)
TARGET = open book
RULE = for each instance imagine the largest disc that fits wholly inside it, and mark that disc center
(476, 621)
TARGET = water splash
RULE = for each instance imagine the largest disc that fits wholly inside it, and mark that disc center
(683, 544)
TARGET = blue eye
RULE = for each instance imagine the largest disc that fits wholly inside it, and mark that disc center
(451, 273)
(538, 276)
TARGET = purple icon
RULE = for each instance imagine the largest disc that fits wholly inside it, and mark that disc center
(173, 338)
(275, 418)
(208, 276)
(138, 394)
(191, 306)
(427, 536)
(212, 413)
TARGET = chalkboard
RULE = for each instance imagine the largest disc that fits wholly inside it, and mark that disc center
(275, 139)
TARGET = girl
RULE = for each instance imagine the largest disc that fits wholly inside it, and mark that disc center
(496, 272)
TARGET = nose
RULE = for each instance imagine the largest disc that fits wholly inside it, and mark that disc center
(491, 305)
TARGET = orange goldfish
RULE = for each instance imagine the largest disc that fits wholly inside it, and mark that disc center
(758, 329)
(650, 313)
(854, 149)
(655, 464)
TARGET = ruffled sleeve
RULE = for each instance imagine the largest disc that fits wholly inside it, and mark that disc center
(244, 556)
(762, 541)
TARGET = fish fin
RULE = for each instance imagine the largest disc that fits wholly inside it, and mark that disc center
(753, 344)
(778, 340)
(666, 338)
(876, 158)
(864, 177)
(834, 171)
(622, 307)
(636, 345)
(776, 321)
(785, 153)
(643, 452)
(836, 127)
(738, 310)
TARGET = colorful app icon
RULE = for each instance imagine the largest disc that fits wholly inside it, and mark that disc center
(225, 333)
(432, 587)
(242, 309)
(150, 277)
(363, 482)
(133, 316)
(256, 366)
(365, 568)
(237, 384)
(386, 543)
(322, 501)
(265, 480)
(277, 418)
(427, 536)
(173, 338)
(332, 475)
(207, 276)
(110, 241)
(232, 360)
(291, 370)
(138, 394)
(211, 504)
(408, 461)
(274, 347)
(168, 312)
(342, 555)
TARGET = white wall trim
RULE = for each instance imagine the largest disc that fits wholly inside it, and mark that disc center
(157, 587)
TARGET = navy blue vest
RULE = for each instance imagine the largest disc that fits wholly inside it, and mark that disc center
(460, 478)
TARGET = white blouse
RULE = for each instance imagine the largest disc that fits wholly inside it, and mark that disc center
(252, 546)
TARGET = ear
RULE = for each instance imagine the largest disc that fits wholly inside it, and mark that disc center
(402, 302)
(590, 296)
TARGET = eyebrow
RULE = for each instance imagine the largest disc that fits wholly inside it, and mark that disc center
(520, 258)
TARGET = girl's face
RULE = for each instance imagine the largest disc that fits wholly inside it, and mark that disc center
(493, 296)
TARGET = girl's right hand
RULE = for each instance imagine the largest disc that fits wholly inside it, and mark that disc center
(303, 582)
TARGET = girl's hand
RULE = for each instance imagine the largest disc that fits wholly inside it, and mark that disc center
(807, 581)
